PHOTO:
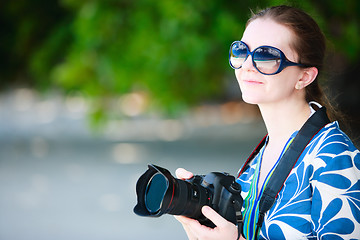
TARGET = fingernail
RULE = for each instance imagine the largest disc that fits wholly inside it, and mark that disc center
(205, 208)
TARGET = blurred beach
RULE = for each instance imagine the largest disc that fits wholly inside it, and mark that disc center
(60, 180)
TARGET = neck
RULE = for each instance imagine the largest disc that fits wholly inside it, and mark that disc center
(283, 119)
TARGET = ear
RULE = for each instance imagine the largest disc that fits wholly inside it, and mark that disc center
(307, 77)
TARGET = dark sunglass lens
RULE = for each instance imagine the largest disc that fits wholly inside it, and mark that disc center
(238, 54)
(267, 59)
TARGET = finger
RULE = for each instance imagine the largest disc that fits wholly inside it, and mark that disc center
(182, 219)
(215, 217)
(186, 222)
(183, 174)
(197, 231)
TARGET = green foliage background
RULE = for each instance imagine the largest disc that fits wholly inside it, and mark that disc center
(174, 51)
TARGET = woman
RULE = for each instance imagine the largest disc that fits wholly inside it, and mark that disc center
(321, 196)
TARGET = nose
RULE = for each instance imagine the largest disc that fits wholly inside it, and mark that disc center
(248, 64)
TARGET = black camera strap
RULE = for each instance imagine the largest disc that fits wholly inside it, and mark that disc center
(311, 127)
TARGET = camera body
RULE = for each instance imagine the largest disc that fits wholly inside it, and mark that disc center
(223, 196)
(158, 192)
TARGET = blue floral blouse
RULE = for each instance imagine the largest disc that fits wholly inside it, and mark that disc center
(321, 197)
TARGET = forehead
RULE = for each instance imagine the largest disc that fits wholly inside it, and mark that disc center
(265, 31)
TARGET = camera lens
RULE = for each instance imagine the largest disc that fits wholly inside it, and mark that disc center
(159, 193)
(155, 192)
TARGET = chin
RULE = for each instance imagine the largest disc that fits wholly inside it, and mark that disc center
(251, 99)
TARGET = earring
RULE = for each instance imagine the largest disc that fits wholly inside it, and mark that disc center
(298, 86)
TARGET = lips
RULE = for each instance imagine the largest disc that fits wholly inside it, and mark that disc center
(252, 81)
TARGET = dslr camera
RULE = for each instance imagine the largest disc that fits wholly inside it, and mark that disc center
(158, 192)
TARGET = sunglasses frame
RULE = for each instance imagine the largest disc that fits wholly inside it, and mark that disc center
(284, 62)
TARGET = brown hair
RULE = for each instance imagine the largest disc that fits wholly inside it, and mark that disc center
(309, 43)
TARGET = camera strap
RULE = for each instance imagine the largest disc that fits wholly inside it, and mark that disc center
(286, 163)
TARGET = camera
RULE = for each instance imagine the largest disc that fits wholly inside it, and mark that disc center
(158, 192)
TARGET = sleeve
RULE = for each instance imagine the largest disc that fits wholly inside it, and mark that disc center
(335, 210)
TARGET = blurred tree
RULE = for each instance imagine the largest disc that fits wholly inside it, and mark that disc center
(174, 51)
(31, 30)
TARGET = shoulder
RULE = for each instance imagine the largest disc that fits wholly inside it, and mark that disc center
(331, 149)
(332, 152)
(331, 141)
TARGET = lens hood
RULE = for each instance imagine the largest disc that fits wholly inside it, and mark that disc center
(141, 186)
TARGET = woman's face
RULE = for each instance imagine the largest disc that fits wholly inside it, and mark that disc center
(257, 88)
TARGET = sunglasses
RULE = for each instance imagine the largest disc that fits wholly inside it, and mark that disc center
(266, 59)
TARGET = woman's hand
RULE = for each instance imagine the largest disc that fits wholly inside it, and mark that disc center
(195, 231)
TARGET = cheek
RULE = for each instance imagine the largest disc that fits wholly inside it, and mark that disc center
(282, 86)
(241, 74)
